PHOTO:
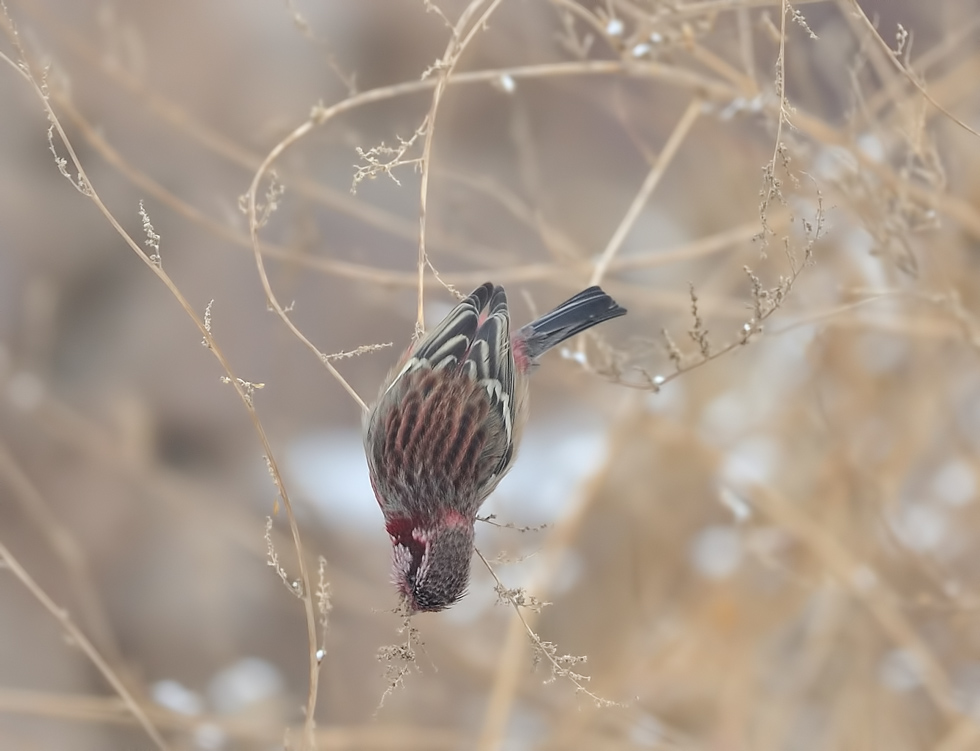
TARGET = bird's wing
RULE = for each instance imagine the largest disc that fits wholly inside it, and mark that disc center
(490, 363)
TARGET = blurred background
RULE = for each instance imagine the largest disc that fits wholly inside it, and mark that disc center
(761, 529)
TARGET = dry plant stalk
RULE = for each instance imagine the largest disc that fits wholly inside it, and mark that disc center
(804, 357)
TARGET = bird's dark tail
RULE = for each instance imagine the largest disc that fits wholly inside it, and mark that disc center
(588, 308)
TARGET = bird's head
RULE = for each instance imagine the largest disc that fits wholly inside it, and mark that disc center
(431, 562)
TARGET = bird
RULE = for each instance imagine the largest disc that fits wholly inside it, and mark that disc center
(445, 429)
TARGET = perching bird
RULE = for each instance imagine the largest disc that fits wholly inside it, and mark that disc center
(445, 430)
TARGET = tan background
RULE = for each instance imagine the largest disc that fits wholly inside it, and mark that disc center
(776, 551)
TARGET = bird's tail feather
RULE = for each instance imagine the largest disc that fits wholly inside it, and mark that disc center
(588, 308)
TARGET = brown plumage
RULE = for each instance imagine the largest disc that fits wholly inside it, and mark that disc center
(445, 430)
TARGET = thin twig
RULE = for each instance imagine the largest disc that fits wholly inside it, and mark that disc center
(457, 44)
(642, 196)
(85, 645)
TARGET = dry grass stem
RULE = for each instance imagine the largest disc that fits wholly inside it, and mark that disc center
(755, 500)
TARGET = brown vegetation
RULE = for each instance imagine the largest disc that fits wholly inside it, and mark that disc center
(746, 516)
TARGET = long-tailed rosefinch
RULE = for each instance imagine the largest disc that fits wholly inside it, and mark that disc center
(445, 429)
